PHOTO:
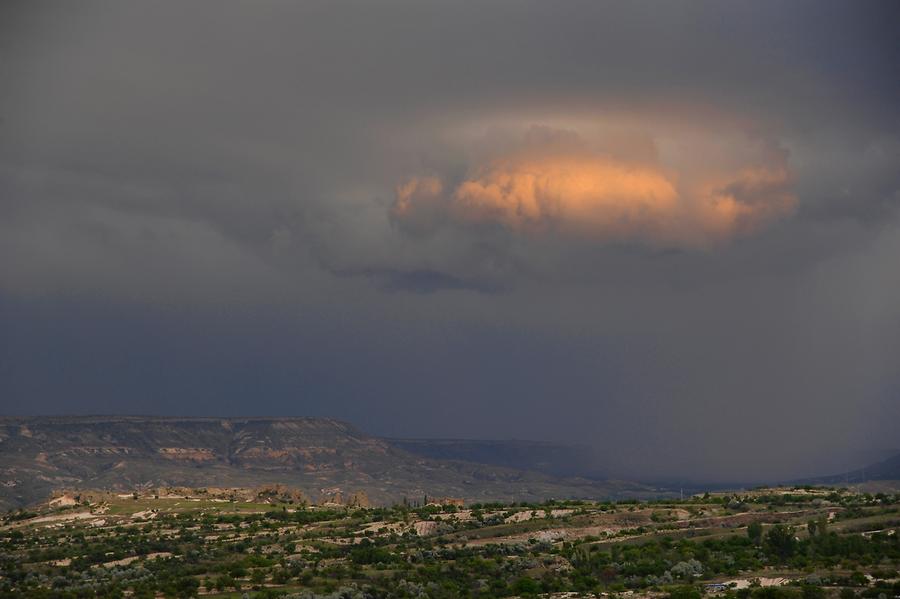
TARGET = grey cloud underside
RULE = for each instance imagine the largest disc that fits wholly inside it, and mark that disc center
(195, 217)
(422, 281)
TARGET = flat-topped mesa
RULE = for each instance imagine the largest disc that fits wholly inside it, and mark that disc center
(41, 454)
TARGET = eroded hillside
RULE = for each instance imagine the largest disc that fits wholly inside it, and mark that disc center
(318, 456)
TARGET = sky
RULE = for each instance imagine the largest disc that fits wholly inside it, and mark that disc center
(666, 230)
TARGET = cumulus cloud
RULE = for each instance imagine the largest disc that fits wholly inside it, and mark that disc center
(747, 201)
(550, 188)
(419, 203)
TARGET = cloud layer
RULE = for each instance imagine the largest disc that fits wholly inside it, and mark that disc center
(549, 188)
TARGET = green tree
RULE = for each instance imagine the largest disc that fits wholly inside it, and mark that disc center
(811, 591)
(781, 542)
(684, 592)
(527, 586)
(754, 532)
(186, 586)
(847, 593)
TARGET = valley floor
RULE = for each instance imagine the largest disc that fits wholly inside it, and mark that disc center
(806, 543)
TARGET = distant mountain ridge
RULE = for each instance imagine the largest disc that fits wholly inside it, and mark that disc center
(555, 459)
(316, 455)
(888, 469)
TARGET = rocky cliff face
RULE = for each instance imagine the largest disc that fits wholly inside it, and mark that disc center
(319, 456)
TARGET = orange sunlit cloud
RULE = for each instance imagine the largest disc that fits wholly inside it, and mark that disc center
(746, 201)
(581, 193)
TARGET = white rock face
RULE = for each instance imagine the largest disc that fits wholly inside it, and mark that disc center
(425, 528)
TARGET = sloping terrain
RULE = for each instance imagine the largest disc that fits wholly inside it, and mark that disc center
(318, 456)
(771, 543)
(885, 470)
(555, 459)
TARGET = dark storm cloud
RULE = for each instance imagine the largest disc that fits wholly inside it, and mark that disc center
(199, 214)
(422, 281)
